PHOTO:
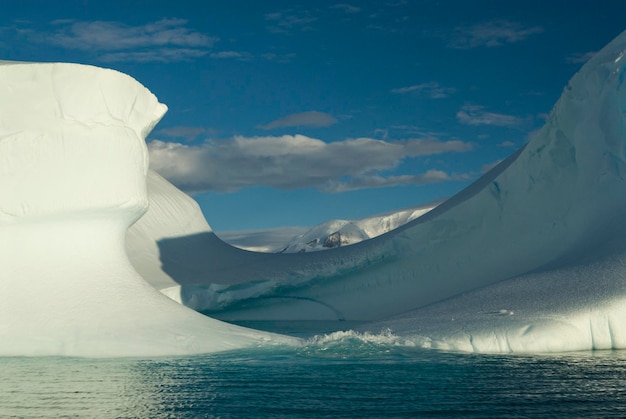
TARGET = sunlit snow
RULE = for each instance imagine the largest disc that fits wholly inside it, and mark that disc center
(73, 167)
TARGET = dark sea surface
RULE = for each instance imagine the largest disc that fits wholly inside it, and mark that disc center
(338, 375)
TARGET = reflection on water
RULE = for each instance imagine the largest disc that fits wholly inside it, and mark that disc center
(317, 380)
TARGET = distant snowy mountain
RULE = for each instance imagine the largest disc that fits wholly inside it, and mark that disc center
(336, 233)
(324, 236)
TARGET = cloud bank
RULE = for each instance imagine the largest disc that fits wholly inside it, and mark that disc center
(294, 161)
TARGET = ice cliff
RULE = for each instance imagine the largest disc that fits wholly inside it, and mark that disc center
(531, 257)
(73, 165)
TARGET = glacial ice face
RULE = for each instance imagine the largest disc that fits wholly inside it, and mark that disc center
(551, 215)
(73, 168)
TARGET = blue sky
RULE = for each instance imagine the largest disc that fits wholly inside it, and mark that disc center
(286, 113)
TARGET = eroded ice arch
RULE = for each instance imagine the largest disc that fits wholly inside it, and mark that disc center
(73, 165)
(558, 202)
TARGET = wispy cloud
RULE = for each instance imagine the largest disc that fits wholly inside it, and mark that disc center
(476, 115)
(491, 34)
(164, 55)
(279, 58)
(188, 133)
(304, 119)
(289, 21)
(247, 56)
(507, 144)
(580, 57)
(396, 3)
(290, 162)
(347, 8)
(432, 90)
(233, 55)
(164, 40)
(378, 181)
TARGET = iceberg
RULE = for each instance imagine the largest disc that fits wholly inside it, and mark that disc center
(73, 165)
(530, 257)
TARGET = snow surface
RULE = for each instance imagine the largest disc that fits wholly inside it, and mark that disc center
(73, 165)
(336, 233)
(528, 258)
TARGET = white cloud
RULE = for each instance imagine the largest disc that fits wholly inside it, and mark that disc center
(237, 55)
(432, 89)
(396, 3)
(164, 40)
(491, 34)
(378, 181)
(290, 162)
(110, 35)
(279, 58)
(308, 119)
(580, 57)
(289, 20)
(476, 115)
(164, 55)
(347, 8)
(507, 144)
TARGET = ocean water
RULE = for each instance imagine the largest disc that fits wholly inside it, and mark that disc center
(343, 374)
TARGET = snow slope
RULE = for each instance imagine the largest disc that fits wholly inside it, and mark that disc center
(529, 258)
(336, 233)
(73, 165)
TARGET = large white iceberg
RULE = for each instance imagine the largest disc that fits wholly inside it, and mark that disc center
(549, 220)
(73, 165)
(531, 257)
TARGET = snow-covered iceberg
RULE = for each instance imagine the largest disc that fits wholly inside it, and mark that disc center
(73, 165)
(538, 243)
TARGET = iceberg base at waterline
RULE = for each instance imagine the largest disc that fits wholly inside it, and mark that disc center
(73, 166)
(580, 307)
(76, 294)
